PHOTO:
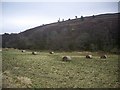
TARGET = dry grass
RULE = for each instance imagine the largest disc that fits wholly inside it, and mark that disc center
(11, 81)
(25, 80)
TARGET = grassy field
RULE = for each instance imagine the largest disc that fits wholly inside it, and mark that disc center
(44, 70)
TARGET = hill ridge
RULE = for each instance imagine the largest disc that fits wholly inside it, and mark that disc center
(70, 20)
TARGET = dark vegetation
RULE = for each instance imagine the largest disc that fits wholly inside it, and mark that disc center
(94, 33)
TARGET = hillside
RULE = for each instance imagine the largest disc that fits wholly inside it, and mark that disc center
(88, 33)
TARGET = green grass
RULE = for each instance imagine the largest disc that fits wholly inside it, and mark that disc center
(49, 71)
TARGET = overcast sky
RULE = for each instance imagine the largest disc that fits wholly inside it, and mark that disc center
(19, 16)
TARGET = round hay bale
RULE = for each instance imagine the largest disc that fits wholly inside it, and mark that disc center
(23, 50)
(89, 56)
(34, 53)
(103, 56)
(51, 52)
(66, 58)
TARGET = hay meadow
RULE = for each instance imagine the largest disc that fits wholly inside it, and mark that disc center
(45, 70)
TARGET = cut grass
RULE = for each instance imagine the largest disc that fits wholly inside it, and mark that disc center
(46, 70)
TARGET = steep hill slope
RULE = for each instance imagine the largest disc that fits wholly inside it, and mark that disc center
(88, 33)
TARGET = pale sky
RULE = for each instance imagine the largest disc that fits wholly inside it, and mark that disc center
(20, 16)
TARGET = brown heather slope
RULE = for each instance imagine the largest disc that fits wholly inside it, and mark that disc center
(92, 33)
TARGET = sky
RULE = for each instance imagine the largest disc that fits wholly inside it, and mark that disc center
(20, 16)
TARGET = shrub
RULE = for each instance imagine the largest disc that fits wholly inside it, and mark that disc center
(76, 17)
(82, 18)
(93, 16)
(69, 19)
